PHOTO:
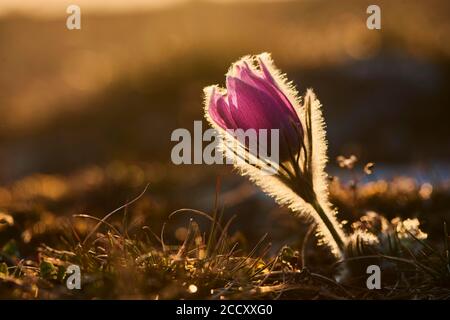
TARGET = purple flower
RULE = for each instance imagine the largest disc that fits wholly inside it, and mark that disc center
(255, 100)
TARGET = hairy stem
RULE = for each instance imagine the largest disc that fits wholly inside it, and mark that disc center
(340, 243)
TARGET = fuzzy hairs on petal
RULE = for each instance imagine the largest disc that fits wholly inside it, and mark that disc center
(272, 184)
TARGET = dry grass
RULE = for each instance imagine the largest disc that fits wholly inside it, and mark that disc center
(120, 257)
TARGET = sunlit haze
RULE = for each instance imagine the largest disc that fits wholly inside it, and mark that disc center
(56, 7)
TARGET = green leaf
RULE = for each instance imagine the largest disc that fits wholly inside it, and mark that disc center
(10, 249)
(48, 270)
(61, 273)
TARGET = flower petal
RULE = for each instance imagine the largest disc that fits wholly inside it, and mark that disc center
(220, 111)
(249, 76)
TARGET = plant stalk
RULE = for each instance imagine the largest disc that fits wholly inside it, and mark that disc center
(340, 243)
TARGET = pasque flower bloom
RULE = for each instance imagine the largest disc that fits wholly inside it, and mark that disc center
(254, 100)
(258, 96)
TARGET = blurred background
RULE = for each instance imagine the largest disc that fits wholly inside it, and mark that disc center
(86, 115)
